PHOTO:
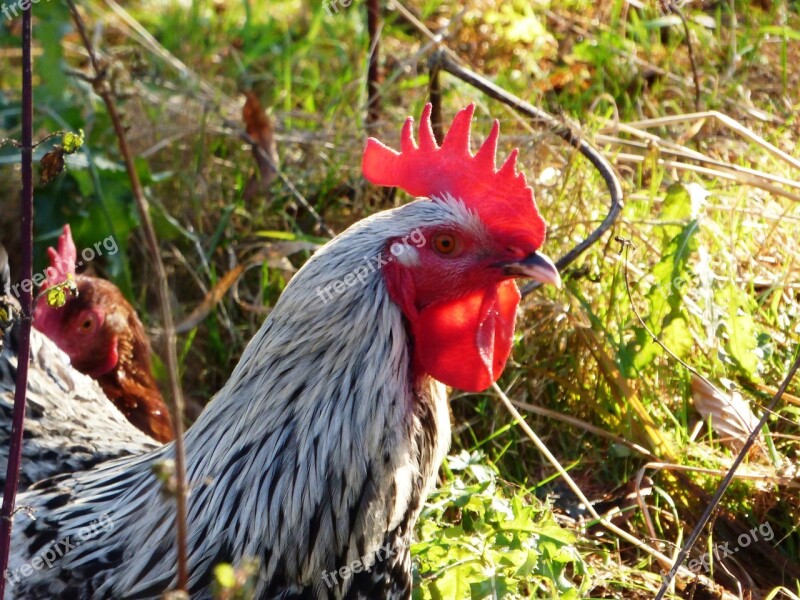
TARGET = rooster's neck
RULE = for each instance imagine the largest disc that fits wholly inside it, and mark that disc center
(318, 452)
(329, 445)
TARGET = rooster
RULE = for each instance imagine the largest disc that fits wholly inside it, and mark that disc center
(317, 454)
(104, 338)
(69, 423)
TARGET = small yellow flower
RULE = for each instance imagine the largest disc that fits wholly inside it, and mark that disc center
(72, 141)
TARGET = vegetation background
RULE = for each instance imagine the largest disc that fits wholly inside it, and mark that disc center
(711, 212)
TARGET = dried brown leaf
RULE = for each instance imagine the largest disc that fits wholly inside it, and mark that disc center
(265, 150)
(730, 414)
(51, 164)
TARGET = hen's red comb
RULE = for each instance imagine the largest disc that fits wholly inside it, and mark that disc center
(63, 260)
(501, 197)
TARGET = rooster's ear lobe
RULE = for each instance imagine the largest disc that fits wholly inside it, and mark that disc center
(402, 290)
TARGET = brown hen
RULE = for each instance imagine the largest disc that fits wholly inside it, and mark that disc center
(102, 335)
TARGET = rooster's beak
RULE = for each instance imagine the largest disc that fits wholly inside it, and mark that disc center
(537, 267)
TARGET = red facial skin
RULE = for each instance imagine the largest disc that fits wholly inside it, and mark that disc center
(103, 337)
(461, 306)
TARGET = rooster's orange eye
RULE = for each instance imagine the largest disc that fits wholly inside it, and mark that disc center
(444, 243)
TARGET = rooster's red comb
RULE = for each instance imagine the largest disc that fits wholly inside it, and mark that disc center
(501, 197)
(62, 261)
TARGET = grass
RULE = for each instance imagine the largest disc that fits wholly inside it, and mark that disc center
(727, 238)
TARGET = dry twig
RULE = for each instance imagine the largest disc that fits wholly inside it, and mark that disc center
(102, 89)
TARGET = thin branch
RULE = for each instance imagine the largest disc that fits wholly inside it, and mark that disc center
(673, 6)
(102, 88)
(727, 175)
(16, 144)
(723, 486)
(23, 356)
(626, 245)
(373, 71)
(435, 92)
(665, 148)
(581, 424)
(723, 119)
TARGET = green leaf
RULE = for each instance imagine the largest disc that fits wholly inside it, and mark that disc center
(529, 565)
(672, 274)
(677, 204)
(781, 31)
(454, 584)
(494, 587)
(56, 295)
(289, 236)
(677, 337)
(742, 335)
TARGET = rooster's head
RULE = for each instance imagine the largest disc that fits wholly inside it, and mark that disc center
(457, 288)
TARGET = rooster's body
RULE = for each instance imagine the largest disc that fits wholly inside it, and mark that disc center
(319, 451)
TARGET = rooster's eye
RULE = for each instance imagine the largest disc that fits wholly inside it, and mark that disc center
(86, 326)
(444, 243)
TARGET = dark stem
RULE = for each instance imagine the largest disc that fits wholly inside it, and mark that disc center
(436, 103)
(443, 60)
(26, 300)
(676, 9)
(102, 88)
(373, 73)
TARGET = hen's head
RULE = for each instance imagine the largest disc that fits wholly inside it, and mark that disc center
(87, 327)
(456, 284)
